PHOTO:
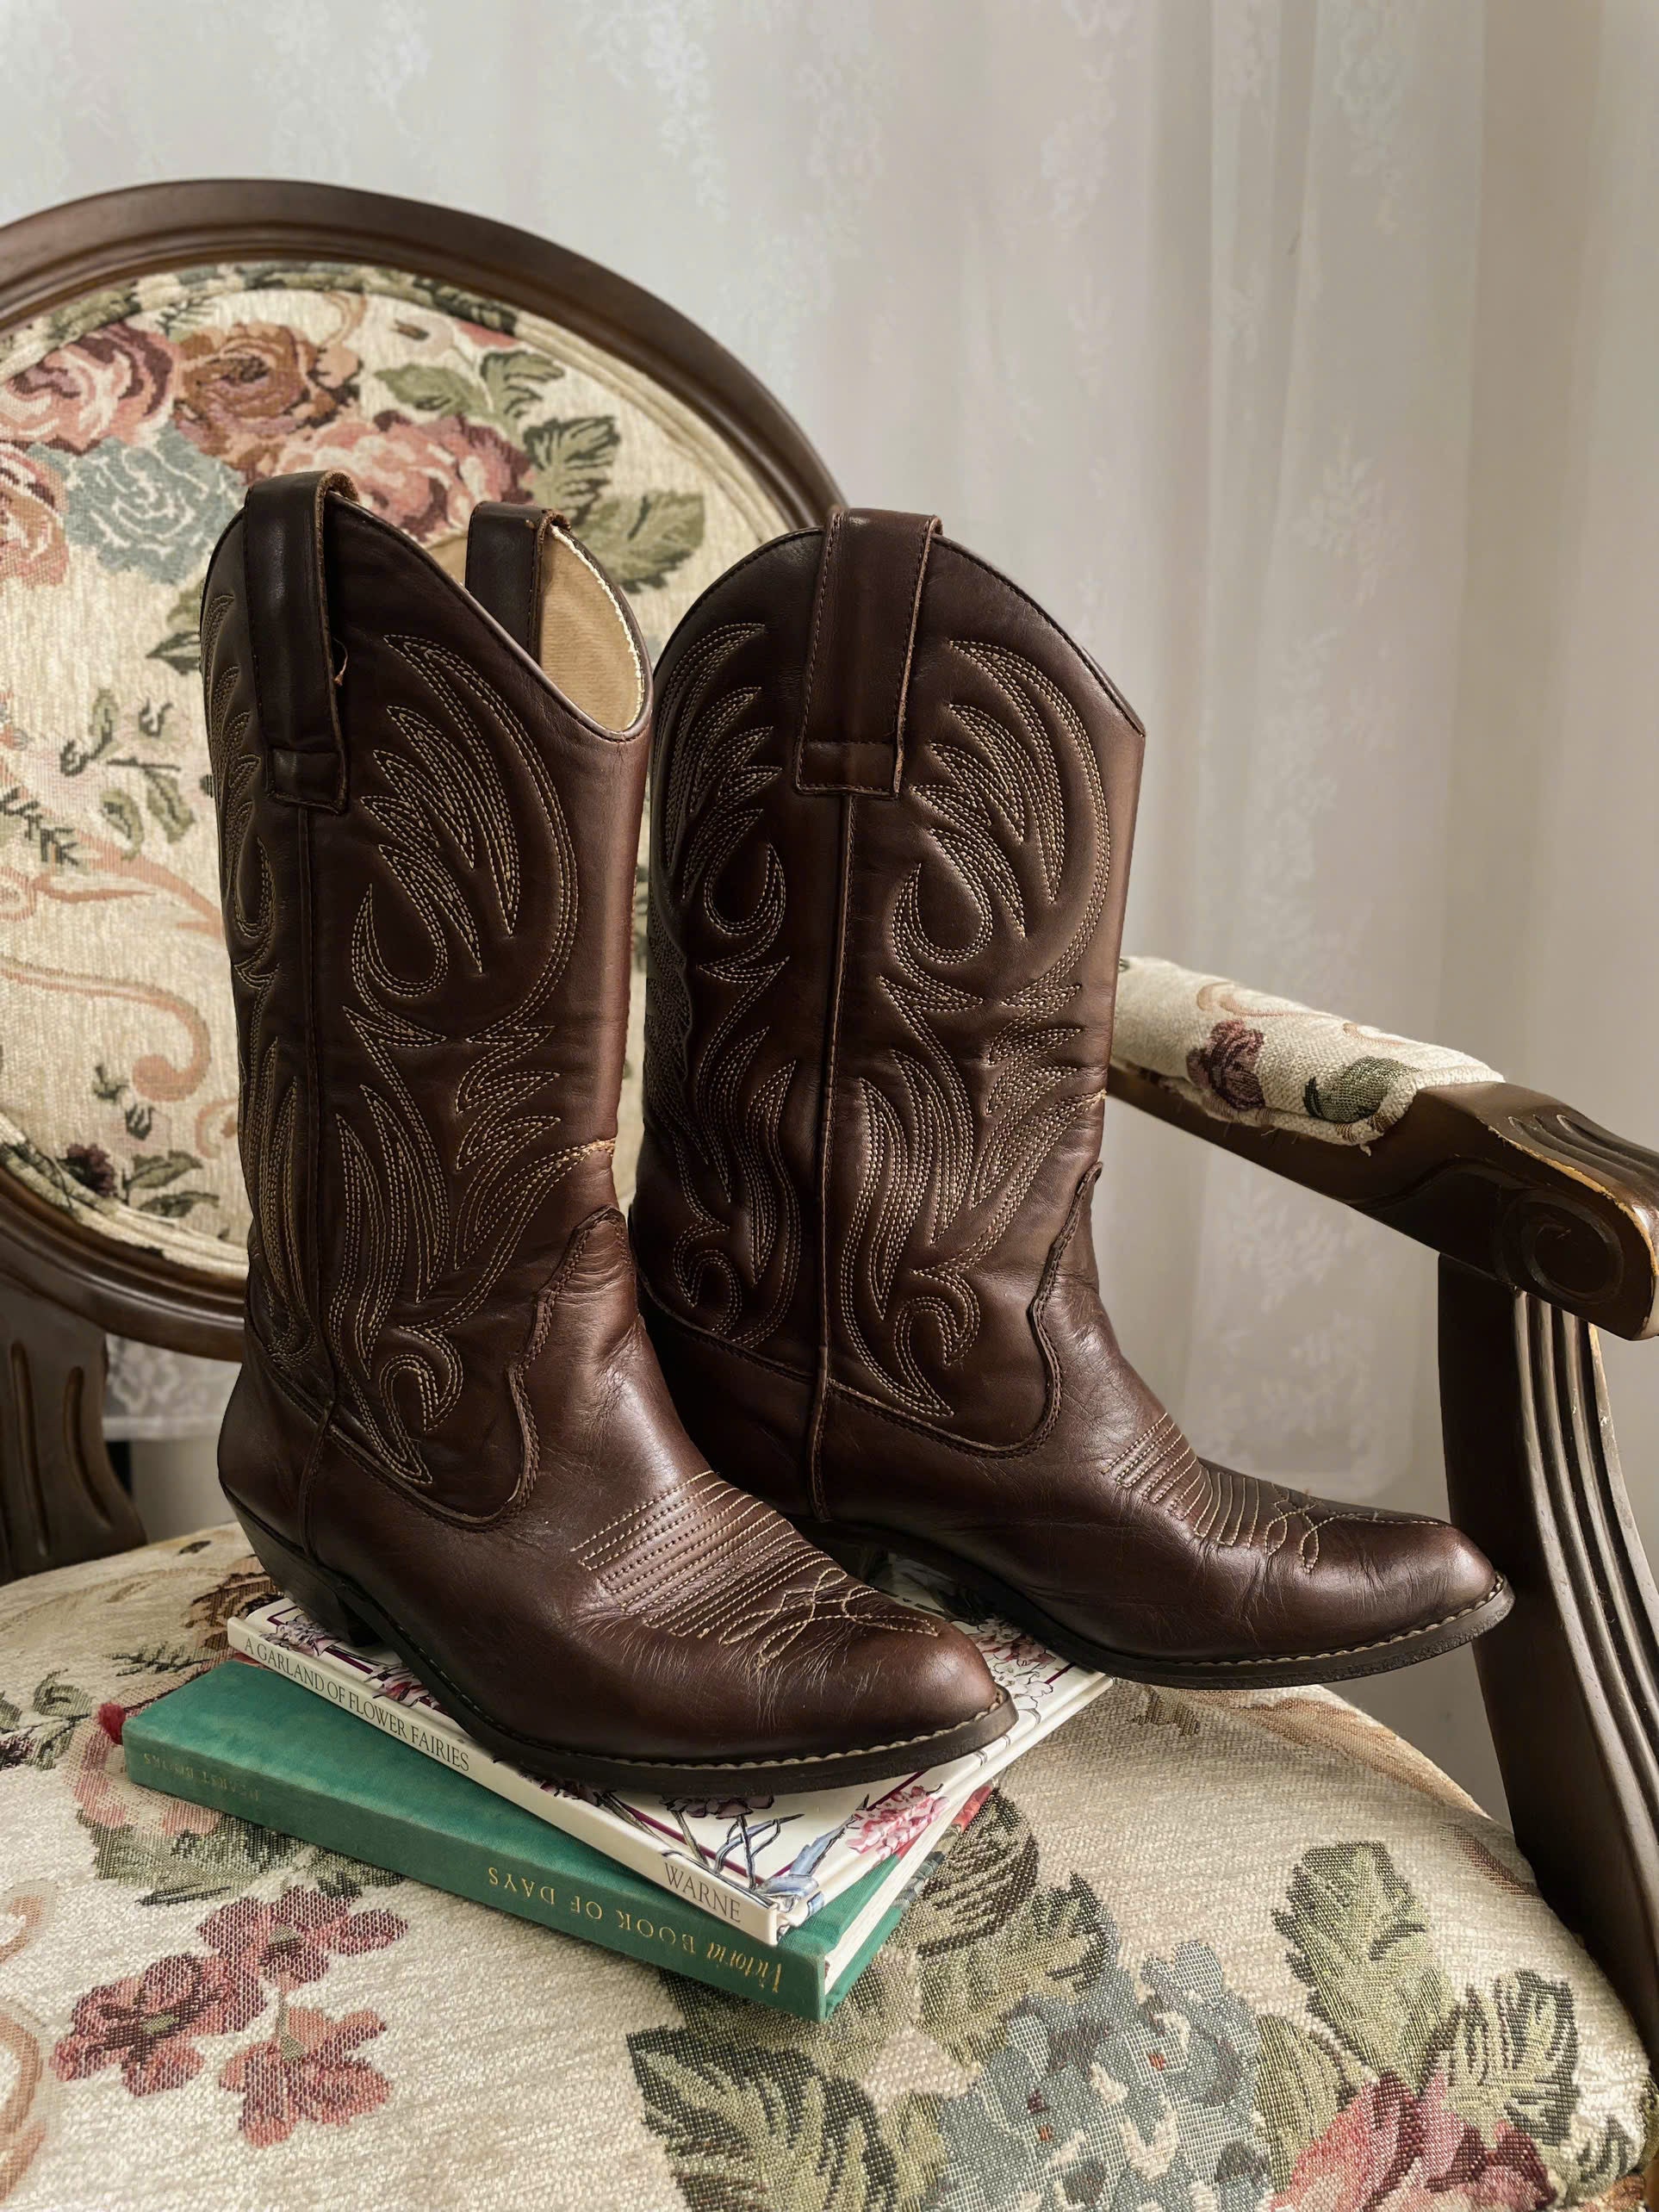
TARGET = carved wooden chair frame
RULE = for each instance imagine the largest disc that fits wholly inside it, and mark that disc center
(1548, 1227)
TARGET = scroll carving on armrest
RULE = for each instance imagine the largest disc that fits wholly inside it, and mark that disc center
(1509, 1181)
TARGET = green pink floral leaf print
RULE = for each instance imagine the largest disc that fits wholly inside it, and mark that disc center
(1392, 2147)
(1089, 2076)
(1509, 2056)
(1356, 1938)
(1304, 2084)
(764, 2127)
(1355, 1093)
(181, 647)
(1477, 2092)
(572, 461)
(426, 389)
(1092, 2081)
(135, 441)
(641, 540)
(515, 383)
(173, 1851)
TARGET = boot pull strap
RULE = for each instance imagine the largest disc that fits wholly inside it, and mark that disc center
(858, 670)
(295, 675)
(507, 548)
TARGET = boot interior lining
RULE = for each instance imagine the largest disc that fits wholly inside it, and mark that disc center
(588, 648)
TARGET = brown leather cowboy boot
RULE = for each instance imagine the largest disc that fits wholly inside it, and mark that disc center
(892, 813)
(450, 1434)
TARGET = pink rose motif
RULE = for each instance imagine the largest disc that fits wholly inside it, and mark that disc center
(425, 477)
(244, 392)
(32, 547)
(1389, 2151)
(306, 2070)
(107, 384)
(1015, 1652)
(148, 2024)
(1227, 1066)
(293, 1940)
(887, 1826)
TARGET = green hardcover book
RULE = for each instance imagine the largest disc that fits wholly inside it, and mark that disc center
(247, 1741)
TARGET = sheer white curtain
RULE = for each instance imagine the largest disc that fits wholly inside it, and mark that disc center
(1297, 353)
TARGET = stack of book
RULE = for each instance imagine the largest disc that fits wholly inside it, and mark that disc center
(783, 1898)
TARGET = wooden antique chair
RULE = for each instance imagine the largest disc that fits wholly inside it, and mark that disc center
(1202, 1949)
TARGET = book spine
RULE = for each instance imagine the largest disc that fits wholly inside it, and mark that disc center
(674, 1871)
(592, 1908)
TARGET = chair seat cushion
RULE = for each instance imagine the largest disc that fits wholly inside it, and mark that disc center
(1204, 1952)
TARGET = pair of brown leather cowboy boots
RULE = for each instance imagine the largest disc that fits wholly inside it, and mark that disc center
(891, 834)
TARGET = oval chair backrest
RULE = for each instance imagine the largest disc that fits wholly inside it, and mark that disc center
(130, 423)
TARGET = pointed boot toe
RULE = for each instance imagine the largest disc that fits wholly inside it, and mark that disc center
(931, 1686)
(1371, 1590)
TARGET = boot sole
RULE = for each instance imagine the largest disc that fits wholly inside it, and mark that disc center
(857, 1549)
(344, 1610)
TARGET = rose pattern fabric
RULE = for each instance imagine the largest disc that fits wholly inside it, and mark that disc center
(293, 1940)
(1226, 1065)
(109, 384)
(1391, 2151)
(245, 392)
(149, 507)
(1243, 1055)
(308, 2070)
(427, 478)
(148, 2025)
(33, 549)
(131, 424)
(1363, 2025)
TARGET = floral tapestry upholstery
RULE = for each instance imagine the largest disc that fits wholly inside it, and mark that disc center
(131, 424)
(1205, 1953)
(1243, 1056)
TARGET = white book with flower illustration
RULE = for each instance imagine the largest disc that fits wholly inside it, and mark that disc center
(762, 1864)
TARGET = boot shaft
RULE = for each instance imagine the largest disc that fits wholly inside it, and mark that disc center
(427, 857)
(891, 820)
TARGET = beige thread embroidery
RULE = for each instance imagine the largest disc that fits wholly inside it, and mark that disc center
(652, 1564)
(1221, 1507)
(946, 1165)
(721, 1123)
(432, 1219)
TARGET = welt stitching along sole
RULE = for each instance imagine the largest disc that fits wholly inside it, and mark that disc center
(1293, 1671)
(865, 1763)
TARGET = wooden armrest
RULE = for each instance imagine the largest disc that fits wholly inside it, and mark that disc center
(1509, 1181)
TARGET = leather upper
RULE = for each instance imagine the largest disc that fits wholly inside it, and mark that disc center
(450, 1401)
(877, 1038)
